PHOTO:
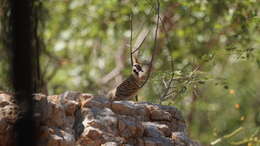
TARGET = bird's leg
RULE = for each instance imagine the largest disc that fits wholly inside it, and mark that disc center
(136, 97)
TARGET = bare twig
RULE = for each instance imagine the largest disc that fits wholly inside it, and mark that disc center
(227, 136)
(166, 92)
(120, 63)
(252, 139)
(119, 59)
(154, 46)
(141, 37)
(52, 58)
(140, 40)
(164, 83)
(53, 73)
(131, 38)
(171, 94)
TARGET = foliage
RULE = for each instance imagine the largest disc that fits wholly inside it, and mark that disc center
(214, 46)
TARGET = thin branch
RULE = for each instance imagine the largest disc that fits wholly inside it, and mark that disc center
(131, 38)
(164, 29)
(164, 83)
(120, 63)
(155, 45)
(53, 73)
(227, 136)
(170, 93)
(166, 92)
(141, 37)
(116, 71)
(252, 138)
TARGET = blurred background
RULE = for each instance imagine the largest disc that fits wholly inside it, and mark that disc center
(207, 64)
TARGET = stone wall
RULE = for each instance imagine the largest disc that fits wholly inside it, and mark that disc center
(80, 119)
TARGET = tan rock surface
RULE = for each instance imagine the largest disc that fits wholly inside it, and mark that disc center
(76, 119)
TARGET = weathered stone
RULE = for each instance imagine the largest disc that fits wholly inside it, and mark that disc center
(41, 103)
(8, 116)
(176, 114)
(141, 112)
(140, 142)
(150, 142)
(62, 138)
(103, 119)
(159, 115)
(124, 107)
(4, 103)
(54, 136)
(70, 107)
(182, 139)
(6, 137)
(159, 141)
(70, 101)
(85, 96)
(156, 129)
(126, 128)
(4, 97)
(9, 113)
(99, 102)
(151, 130)
(91, 136)
(110, 144)
(164, 129)
(70, 95)
(129, 127)
(57, 115)
(75, 119)
(92, 133)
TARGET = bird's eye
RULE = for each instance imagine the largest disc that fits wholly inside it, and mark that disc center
(136, 72)
(138, 67)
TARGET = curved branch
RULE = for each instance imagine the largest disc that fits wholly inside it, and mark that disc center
(168, 86)
(131, 38)
(143, 35)
(154, 46)
(120, 63)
